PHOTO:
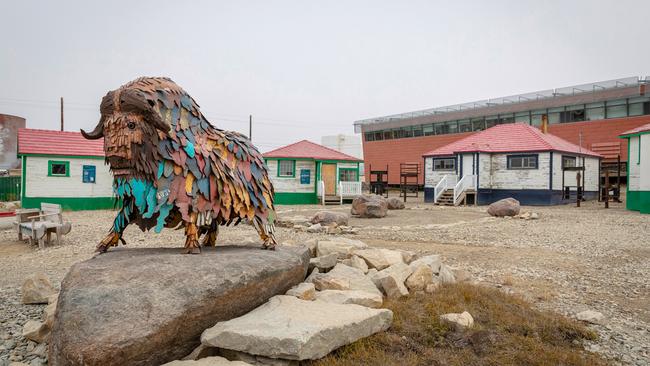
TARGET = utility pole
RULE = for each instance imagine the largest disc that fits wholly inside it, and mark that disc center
(250, 127)
(61, 113)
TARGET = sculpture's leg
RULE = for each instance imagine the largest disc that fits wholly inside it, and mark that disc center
(115, 235)
(210, 239)
(266, 233)
(192, 236)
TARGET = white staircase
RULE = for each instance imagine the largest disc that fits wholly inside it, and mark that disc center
(452, 192)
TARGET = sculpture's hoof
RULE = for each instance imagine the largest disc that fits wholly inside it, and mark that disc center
(195, 250)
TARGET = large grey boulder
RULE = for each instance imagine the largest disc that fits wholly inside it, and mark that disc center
(369, 206)
(330, 217)
(150, 306)
(395, 203)
(504, 207)
(289, 328)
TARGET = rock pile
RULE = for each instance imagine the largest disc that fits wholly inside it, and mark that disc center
(324, 222)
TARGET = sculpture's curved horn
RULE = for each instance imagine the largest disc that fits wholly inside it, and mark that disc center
(95, 134)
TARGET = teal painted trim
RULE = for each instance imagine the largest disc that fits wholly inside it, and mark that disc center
(638, 160)
(64, 156)
(293, 170)
(286, 198)
(638, 201)
(627, 186)
(22, 188)
(50, 163)
(71, 203)
(356, 170)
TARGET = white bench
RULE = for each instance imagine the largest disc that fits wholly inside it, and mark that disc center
(38, 225)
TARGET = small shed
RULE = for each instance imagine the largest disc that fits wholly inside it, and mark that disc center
(638, 169)
(64, 168)
(308, 173)
(511, 160)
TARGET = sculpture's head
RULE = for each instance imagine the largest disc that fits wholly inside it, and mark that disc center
(132, 125)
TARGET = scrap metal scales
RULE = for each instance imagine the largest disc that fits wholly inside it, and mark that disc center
(172, 167)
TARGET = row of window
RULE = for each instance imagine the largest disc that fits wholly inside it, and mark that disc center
(515, 162)
(57, 168)
(287, 169)
(574, 113)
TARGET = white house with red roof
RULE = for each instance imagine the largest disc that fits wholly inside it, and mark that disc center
(65, 168)
(638, 169)
(308, 173)
(511, 160)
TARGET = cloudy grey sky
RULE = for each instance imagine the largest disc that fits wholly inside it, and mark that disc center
(309, 68)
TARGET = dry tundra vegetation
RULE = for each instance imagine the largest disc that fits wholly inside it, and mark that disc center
(525, 281)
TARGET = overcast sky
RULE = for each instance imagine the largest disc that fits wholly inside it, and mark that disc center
(305, 69)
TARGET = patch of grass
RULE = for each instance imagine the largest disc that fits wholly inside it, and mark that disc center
(506, 331)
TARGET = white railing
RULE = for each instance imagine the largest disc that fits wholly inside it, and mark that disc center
(467, 182)
(349, 189)
(447, 182)
(320, 191)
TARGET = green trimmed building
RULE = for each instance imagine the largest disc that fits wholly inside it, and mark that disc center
(638, 169)
(64, 168)
(301, 171)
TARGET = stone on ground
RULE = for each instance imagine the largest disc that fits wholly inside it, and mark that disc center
(150, 306)
(504, 207)
(358, 281)
(395, 203)
(324, 262)
(356, 262)
(380, 258)
(421, 277)
(329, 217)
(590, 316)
(312, 275)
(432, 261)
(408, 256)
(256, 360)
(325, 282)
(36, 331)
(202, 351)
(304, 291)
(289, 328)
(462, 320)
(208, 361)
(364, 298)
(343, 247)
(393, 287)
(446, 275)
(369, 206)
(36, 289)
(316, 228)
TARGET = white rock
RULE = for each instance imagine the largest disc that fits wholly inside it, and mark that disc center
(289, 328)
(356, 278)
(371, 272)
(316, 228)
(304, 290)
(408, 256)
(534, 216)
(393, 287)
(208, 361)
(324, 262)
(590, 316)
(380, 258)
(364, 298)
(462, 320)
(356, 262)
(401, 271)
(343, 247)
(432, 287)
(256, 360)
(315, 272)
(421, 277)
(446, 275)
(36, 331)
(36, 289)
(325, 282)
(432, 261)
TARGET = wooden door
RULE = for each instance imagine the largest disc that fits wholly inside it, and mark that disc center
(328, 174)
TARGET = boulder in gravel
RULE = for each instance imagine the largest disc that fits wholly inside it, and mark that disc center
(208, 361)
(395, 203)
(316, 228)
(329, 217)
(462, 320)
(420, 278)
(504, 207)
(343, 247)
(36, 331)
(364, 298)
(36, 289)
(164, 299)
(446, 275)
(356, 262)
(393, 287)
(433, 261)
(590, 316)
(324, 262)
(289, 328)
(369, 206)
(304, 291)
(408, 256)
(380, 258)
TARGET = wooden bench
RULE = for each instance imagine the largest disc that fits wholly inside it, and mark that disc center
(38, 225)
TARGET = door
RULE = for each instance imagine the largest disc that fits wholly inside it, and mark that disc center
(328, 174)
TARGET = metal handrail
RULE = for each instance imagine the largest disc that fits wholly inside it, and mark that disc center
(321, 191)
(466, 182)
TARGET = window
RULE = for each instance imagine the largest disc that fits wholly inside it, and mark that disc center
(428, 130)
(440, 128)
(88, 174)
(444, 164)
(478, 124)
(407, 131)
(370, 136)
(595, 111)
(506, 118)
(464, 125)
(639, 106)
(568, 161)
(574, 113)
(616, 108)
(388, 135)
(451, 127)
(491, 121)
(379, 135)
(58, 168)
(287, 168)
(347, 175)
(536, 117)
(522, 162)
(523, 117)
(417, 131)
(554, 115)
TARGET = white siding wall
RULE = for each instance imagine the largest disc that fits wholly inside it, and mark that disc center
(639, 179)
(645, 163)
(494, 173)
(292, 185)
(38, 184)
(431, 177)
(591, 172)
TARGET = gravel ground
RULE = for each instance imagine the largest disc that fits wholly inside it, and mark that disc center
(569, 260)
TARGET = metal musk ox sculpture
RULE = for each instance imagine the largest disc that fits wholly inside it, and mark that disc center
(172, 168)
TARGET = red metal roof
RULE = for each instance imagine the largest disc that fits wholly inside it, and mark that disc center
(643, 128)
(309, 150)
(33, 141)
(511, 137)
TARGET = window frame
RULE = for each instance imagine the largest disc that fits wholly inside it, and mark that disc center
(433, 165)
(347, 170)
(51, 163)
(510, 157)
(293, 169)
(575, 161)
